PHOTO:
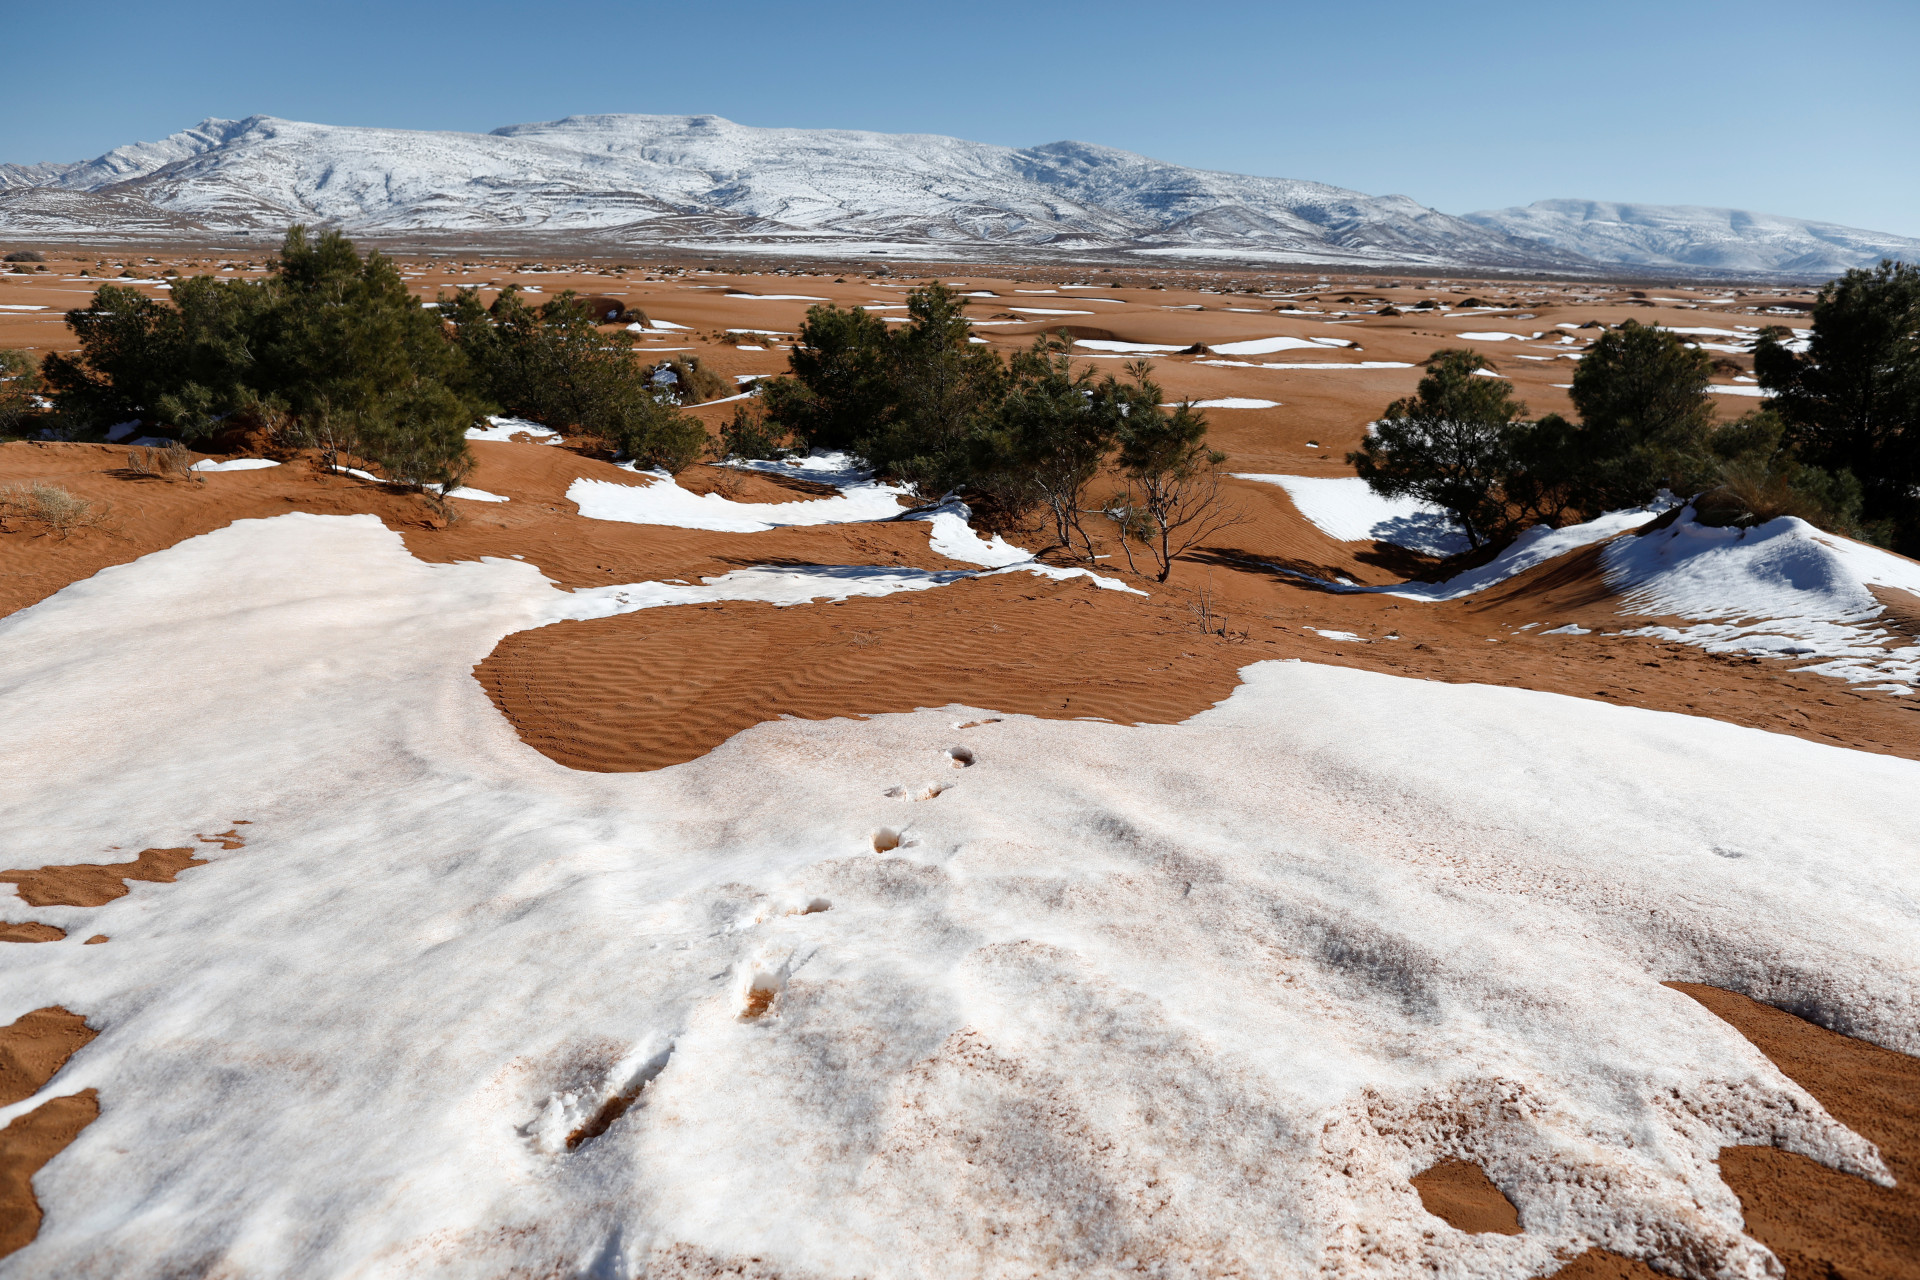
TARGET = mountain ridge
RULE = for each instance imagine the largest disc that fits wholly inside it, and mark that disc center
(703, 181)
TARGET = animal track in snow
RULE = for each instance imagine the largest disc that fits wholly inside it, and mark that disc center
(886, 839)
(925, 791)
(572, 1118)
(975, 724)
(760, 983)
(960, 756)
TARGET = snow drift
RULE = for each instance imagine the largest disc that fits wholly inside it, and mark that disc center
(1189, 999)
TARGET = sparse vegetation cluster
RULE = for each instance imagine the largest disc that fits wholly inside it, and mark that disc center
(1839, 446)
(331, 351)
(925, 404)
(553, 365)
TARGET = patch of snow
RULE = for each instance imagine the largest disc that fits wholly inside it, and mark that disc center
(1571, 629)
(1324, 364)
(1496, 336)
(1236, 402)
(234, 464)
(1109, 344)
(1468, 892)
(505, 429)
(664, 502)
(1266, 346)
(1722, 389)
(1346, 509)
(1782, 589)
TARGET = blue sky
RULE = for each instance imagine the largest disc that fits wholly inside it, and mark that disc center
(1809, 108)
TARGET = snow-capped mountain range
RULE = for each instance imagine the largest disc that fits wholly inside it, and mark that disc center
(705, 182)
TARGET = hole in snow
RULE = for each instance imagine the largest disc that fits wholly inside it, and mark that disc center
(961, 757)
(818, 904)
(975, 724)
(885, 840)
(929, 791)
(1459, 1193)
(760, 986)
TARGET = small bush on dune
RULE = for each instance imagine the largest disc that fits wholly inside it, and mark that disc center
(171, 462)
(19, 392)
(749, 435)
(1851, 401)
(690, 382)
(553, 365)
(1645, 425)
(331, 345)
(51, 507)
(26, 255)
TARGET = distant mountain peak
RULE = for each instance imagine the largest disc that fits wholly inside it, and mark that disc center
(703, 181)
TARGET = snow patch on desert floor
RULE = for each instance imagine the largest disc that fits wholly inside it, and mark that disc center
(1267, 346)
(861, 498)
(234, 464)
(664, 502)
(1345, 508)
(1236, 402)
(1783, 589)
(1210, 991)
(506, 429)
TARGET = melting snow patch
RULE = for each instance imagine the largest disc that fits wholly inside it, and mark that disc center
(1571, 629)
(505, 429)
(234, 464)
(1109, 344)
(1345, 508)
(664, 502)
(1784, 589)
(1236, 402)
(1459, 898)
(1266, 346)
(1325, 364)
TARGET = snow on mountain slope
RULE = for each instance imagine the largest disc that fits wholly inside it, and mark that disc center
(706, 180)
(680, 177)
(1694, 236)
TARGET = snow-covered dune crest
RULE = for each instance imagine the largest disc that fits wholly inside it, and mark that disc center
(1781, 589)
(1205, 993)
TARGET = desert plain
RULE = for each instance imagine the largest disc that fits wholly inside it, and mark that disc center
(571, 879)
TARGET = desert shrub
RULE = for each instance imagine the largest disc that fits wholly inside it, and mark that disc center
(1761, 478)
(169, 462)
(1851, 401)
(685, 380)
(1055, 429)
(19, 391)
(332, 343)
(1173, 499)
(26, 255)
(749, 435)
(553, 365)
(52, 508)
(918, 403)
(1645, 417)
(1452, 444)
